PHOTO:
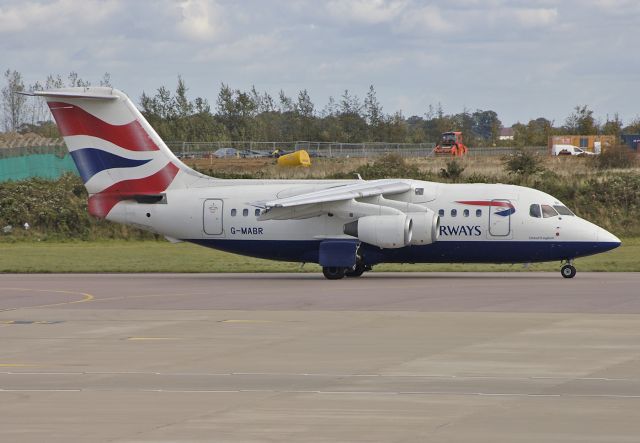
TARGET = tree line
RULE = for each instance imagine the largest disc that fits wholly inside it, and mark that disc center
(239, 115)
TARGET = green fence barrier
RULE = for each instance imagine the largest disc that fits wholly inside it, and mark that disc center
(50, 166)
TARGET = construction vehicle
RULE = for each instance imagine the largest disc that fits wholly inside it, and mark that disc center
(451, 144)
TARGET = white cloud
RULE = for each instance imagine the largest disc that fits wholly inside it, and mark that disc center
(60, 15)
(201, 19)
(249, 48)
(403, 47)
(617, 7)
(365, 11)
(426, 20)
(535, 17)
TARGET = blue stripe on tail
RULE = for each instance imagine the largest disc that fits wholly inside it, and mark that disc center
(90, 161)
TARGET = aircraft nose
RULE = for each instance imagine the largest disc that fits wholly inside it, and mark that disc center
(607, 237)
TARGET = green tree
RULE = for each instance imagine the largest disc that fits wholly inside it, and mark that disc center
(305, 111)
(106, 80)
(613, 126)
(539, 131)
(76, 81)
(352, 124)
(633, 127)
(183, 107)
(486, 126)
(14, 105)
(373, 114)
(581, 122)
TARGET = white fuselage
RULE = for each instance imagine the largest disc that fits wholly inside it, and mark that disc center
(220, 216)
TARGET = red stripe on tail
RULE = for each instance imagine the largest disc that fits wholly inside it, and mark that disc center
(73, 120)
(101, 203)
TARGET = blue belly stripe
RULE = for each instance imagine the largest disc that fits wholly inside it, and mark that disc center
(439, 252)
(90, 161)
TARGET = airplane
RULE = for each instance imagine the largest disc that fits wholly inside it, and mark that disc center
(346, 226)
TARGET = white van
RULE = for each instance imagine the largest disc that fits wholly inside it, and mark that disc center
(569, 150)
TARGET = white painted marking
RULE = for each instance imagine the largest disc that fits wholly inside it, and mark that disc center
(300, 391)
(336, 375)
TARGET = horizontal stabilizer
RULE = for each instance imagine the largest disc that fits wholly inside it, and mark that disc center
(102, 94)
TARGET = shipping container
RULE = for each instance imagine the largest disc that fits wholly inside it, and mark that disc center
(633, 141)
(590, 143)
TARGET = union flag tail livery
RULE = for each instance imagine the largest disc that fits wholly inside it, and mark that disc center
(118, 154)
(346, 226)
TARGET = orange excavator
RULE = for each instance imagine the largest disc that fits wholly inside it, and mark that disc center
(451, 144)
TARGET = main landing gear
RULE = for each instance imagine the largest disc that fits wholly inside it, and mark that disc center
(335, 273)
(357, 271)
(568, 270)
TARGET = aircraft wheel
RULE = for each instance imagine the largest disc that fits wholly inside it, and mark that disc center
(333, 273)
(357, 271)
(568, 271)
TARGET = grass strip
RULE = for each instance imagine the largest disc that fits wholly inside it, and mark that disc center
(160, 256)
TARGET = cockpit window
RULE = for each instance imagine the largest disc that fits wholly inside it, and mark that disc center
(563, 210)
(534, 211)
(548, 211)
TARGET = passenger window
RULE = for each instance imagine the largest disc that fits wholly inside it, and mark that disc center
(233, 213)
(548, 211)
(478, 212)
(534, 211)
(454, 212)
(245, 212)
(257, 212)
(441, 212)
(563, 210)
(465, 213)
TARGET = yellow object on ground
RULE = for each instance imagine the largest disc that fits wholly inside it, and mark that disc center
(298, 158)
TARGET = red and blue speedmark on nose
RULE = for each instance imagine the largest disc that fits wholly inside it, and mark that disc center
(504, 208)
(91, 160)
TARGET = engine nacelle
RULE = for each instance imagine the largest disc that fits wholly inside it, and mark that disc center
(385, 231)
(426, 227)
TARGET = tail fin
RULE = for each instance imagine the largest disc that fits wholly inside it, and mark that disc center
(118, 154)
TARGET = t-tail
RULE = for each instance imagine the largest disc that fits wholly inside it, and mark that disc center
(118, 154)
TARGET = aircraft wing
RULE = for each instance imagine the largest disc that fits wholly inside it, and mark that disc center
(361, 189)
(339, 200)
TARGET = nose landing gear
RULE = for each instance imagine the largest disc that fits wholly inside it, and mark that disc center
(568, 270)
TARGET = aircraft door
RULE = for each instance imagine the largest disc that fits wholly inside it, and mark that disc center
(500, 218)
(212, 216)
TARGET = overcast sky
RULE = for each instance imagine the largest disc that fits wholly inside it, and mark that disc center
(522, 59)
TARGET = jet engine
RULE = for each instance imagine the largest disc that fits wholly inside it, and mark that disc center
(384, 231)
(426, 227)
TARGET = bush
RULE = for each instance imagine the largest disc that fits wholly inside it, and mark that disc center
(57, 210)
(523, 162)
(54, 210)
(453, 171)
(616, 157)
(389, 166)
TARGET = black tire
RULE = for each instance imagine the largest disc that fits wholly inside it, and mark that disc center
(357, 271)
(568, 271)
(333, 273)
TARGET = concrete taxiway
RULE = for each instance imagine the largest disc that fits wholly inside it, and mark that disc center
(439, 357)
